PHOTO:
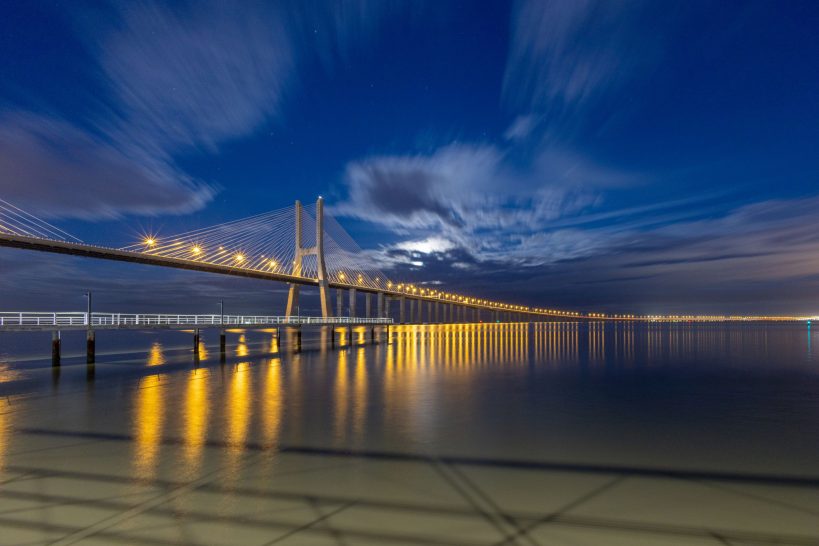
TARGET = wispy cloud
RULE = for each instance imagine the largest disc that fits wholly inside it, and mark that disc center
(197, 75)
(56, 169)
(173, 80)
(564, 55)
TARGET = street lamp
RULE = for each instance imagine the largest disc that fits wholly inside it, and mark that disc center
(88, 311)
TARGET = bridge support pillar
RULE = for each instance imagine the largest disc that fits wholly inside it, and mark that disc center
(430, 317)
(379, 305)
(368, 305)
(55, 348)
(402, 304)
(411, 310)
(339, 302)
(90, 347)
(318, 252)
(352, 309)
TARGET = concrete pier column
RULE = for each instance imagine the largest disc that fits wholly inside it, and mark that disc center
(387, 306)
(352, 310)
(90, 347)
(55, 348)
(475, 317)
(430, 317)
(339, 302)
(379, 306)
(402, 304)
(412, 310)
(368, 305)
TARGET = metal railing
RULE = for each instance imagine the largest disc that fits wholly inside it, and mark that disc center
(9, 319)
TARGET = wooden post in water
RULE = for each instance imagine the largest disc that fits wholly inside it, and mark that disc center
(55, 348)
(90, 346)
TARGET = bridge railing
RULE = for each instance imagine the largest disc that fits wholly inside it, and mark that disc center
(153, 319)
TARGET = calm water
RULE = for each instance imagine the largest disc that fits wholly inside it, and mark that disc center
(667, 404)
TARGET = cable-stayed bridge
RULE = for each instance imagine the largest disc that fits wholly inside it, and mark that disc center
(301, 246)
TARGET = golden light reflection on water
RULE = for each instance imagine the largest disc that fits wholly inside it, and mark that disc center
(148, 422)
(341, 398)
(272, 404)
(360, 396)
(405, 373)
(155, 355)
(241, 347)
(195, 412)
(238, 413)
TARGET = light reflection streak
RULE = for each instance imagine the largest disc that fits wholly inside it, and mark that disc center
(148, 422)
(195, 419)
(155, 355)
(241, 347)
(341, 398)
(237, 415)
(360, 396)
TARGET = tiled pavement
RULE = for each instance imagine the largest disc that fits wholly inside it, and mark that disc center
(74, 491)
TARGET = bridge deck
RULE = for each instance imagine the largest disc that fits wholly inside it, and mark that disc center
(28, 321)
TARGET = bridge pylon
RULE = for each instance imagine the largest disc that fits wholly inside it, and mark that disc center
(318, 252)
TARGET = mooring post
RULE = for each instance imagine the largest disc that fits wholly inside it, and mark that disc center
(333, 337)
(298, 339)
(90, 346)
(55, 348)
(223, 341)
(196, 342)
(372, 335)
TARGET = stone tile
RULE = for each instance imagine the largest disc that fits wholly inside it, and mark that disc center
(693, 505)
(386, 526)
(531, 492)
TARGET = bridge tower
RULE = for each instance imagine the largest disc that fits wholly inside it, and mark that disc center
(318, 252)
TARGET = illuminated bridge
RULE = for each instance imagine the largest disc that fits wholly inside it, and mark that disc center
(301, 246)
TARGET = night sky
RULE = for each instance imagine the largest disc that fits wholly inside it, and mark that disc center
(646, 157)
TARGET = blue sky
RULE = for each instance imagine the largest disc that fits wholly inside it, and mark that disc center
(613, 156)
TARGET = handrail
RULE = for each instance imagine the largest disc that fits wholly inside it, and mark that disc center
(17, 318)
